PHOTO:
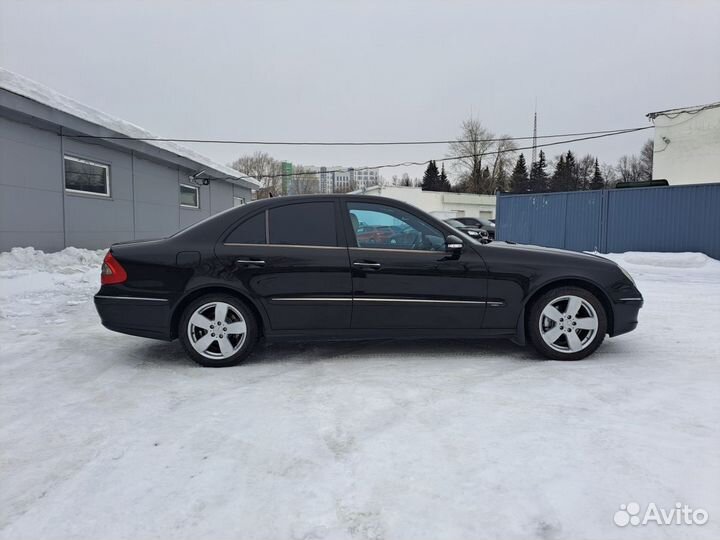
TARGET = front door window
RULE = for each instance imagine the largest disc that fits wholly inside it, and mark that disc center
(385, 227)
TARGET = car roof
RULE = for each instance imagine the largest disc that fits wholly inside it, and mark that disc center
(315, 197)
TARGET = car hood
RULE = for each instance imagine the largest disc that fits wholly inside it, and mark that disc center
(561, 254)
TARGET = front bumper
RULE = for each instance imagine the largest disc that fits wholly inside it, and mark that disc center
(625, 315)
(137, 316)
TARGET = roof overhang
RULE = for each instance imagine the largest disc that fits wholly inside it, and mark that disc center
(29, 102)
(688, 110)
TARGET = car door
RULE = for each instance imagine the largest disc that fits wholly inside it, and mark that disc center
(291, 259)
(407, 279)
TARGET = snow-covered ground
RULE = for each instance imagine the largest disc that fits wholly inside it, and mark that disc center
(105, 436)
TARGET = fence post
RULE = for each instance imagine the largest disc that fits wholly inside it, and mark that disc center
(602, 226)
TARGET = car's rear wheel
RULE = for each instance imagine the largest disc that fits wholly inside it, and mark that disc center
(218, 330)
(567, 323)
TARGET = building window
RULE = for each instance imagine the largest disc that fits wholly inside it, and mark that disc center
(238, 201)
(189, 196)
(83, 176)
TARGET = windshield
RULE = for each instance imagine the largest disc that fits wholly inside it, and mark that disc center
(454, 223)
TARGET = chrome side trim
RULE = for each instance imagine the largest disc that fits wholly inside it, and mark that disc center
(419, 301)
(131, 298)
(313, 299)
(396, 250)
(404, 300)
(282, 245)
(634, 299)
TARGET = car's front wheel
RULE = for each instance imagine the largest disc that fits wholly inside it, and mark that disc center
(218, 330)
(567, 323)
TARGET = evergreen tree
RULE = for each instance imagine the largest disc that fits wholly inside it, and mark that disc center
(538, 175)
(444, 183)
(431, 178)
(571, 172)
(597, 182)
(559, 177)
(519, 181)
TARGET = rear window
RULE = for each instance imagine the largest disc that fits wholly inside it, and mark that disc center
(250, 231)
(303, 224)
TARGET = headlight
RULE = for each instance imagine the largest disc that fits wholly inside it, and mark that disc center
(627, 274)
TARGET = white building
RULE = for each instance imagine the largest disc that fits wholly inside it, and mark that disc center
(365, 178)
(687, 144)
(441, 204)
(342, 179)
(71, 175)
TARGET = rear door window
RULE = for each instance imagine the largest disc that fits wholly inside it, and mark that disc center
(250, 231)
(303, 224)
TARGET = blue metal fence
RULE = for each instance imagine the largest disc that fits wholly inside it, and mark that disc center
(673, 218)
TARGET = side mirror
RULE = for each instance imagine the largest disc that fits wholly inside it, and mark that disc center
(453, 244)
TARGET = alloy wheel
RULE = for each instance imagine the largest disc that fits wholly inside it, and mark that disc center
(568, 324)
(216, 330)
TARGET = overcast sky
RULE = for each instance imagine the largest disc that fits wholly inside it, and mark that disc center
(351, 70)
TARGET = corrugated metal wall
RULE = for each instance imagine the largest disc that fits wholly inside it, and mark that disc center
(674, 218)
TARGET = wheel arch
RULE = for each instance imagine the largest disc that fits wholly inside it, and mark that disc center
(213, 289)
(594, 288)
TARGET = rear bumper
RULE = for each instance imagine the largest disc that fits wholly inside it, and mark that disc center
(625, 316)
(137, 316)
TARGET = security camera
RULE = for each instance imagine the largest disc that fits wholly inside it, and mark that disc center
(199, 181)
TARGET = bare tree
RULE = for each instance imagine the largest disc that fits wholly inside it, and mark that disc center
(628, 169)
(502, 163)
(585, 169)
(609, 174)
(305, 180)
(470, 149)
(263, 167)
(646, 160)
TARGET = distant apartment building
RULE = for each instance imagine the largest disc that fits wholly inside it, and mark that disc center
(342, 179)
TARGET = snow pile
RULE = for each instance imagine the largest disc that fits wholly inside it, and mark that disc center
(68, 261)
(694, 266)
(26, 272)
(666, 260)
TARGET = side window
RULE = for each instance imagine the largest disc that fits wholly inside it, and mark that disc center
(303, 224)
(83, 176)
(250, 231)
(386, 227)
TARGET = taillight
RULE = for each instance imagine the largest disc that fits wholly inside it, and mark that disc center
(112, 271)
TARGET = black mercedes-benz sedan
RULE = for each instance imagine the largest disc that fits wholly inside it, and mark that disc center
(297, 268)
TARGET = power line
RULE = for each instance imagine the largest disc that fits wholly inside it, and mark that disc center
(349, 143)
(442, 160)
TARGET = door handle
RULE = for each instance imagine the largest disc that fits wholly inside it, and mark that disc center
(367, 265)
(251, 262)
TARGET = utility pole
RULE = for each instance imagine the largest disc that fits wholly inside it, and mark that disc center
(534, 145)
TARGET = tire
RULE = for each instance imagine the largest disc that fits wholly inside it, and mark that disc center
(213, 345)
(558, 333)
